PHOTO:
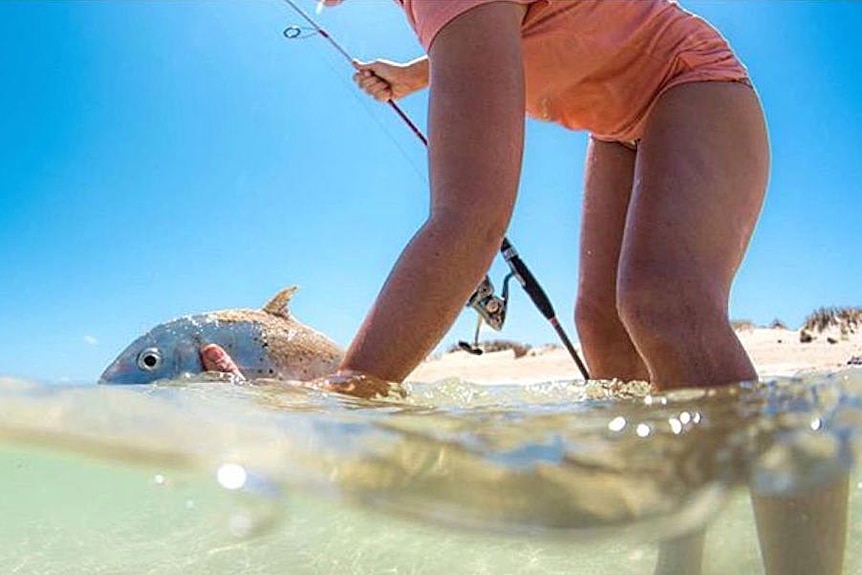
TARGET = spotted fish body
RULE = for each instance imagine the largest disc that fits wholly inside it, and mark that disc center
(266, 343)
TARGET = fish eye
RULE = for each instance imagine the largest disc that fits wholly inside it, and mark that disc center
(150, 359)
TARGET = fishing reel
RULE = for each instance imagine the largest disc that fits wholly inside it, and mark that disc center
(491, 310)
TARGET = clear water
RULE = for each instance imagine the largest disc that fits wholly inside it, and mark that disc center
(205, 477)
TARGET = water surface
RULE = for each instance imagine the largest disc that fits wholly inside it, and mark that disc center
(207, 477)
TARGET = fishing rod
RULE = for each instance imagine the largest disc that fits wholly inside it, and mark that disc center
(491, 308)
(295, 32)
(541, 300)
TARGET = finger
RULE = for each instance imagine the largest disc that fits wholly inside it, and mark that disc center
(368, 82)
(383, 93)
(380, 93)
(214, 358)
(363, 80)
(363, 66)
(377, 88)
(384, 96)
(370, 77)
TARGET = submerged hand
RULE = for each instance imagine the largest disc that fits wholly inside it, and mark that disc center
(358, 384)
(216, 359)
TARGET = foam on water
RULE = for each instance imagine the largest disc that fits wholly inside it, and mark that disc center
(204, 477)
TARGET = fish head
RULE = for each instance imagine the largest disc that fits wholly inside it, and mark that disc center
(167, 351)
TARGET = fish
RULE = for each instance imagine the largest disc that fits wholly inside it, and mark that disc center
(266, 343)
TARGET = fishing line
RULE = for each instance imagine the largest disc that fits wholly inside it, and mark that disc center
(490, 308)
(364, 102)
(314, 25)
(300, 33)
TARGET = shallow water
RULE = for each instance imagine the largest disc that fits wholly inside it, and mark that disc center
(206, 477)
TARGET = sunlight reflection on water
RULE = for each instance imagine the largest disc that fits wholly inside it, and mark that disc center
(559, 463)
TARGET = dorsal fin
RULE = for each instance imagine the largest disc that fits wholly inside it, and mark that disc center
(278, 304)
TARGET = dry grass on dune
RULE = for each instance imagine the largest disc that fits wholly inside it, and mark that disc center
(846, 320)
(835, 321)
(742, 324)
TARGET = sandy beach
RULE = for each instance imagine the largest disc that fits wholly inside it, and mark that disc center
(776, 352)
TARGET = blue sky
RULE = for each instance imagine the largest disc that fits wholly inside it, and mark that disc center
(162, 158)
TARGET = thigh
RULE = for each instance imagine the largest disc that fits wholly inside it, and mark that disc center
(607, 190)
(700, 180)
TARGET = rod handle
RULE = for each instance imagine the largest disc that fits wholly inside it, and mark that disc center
(527, 280)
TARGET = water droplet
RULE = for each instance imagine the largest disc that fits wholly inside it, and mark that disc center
(231, 476)
(617, 424)
(643, 430)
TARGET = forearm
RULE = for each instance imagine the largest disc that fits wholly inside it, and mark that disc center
(476, 118)
(428, 287)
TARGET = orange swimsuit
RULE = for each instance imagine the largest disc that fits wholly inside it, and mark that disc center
(600, 65)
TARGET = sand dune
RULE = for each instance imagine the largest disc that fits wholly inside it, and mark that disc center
(775, 352)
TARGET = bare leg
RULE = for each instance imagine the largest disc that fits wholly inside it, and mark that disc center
(803, 535)
(700, 180)
(608, 348)
(699, 184)
(681, 556)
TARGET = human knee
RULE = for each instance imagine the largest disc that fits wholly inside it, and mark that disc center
(596, 317)
(655, 307)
